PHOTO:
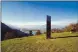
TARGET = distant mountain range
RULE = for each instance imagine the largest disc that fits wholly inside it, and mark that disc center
(42, 28)
(35, 27)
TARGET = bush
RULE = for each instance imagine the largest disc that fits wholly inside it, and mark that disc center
(38, 32)
(71, 28)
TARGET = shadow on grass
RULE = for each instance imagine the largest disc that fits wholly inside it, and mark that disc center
(64, 37)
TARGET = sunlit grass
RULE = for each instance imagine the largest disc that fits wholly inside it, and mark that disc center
(41, 44)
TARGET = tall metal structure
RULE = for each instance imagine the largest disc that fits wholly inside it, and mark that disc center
(48, 27)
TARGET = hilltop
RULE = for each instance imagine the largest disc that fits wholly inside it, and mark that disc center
(62, 42)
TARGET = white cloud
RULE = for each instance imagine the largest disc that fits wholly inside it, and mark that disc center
(28, 24)
(63, 22)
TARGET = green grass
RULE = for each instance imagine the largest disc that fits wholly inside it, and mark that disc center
(41, 44)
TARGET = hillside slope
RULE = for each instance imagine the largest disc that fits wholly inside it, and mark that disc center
(40, 44)
(10, 32)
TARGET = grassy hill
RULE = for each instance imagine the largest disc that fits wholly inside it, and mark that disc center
(41, 44)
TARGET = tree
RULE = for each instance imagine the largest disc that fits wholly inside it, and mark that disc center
(38, 32)
(71, 28)
(31, 33)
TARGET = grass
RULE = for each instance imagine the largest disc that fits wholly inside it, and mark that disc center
(41, 44)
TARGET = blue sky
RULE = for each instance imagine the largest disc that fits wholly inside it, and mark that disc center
(34, 13)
